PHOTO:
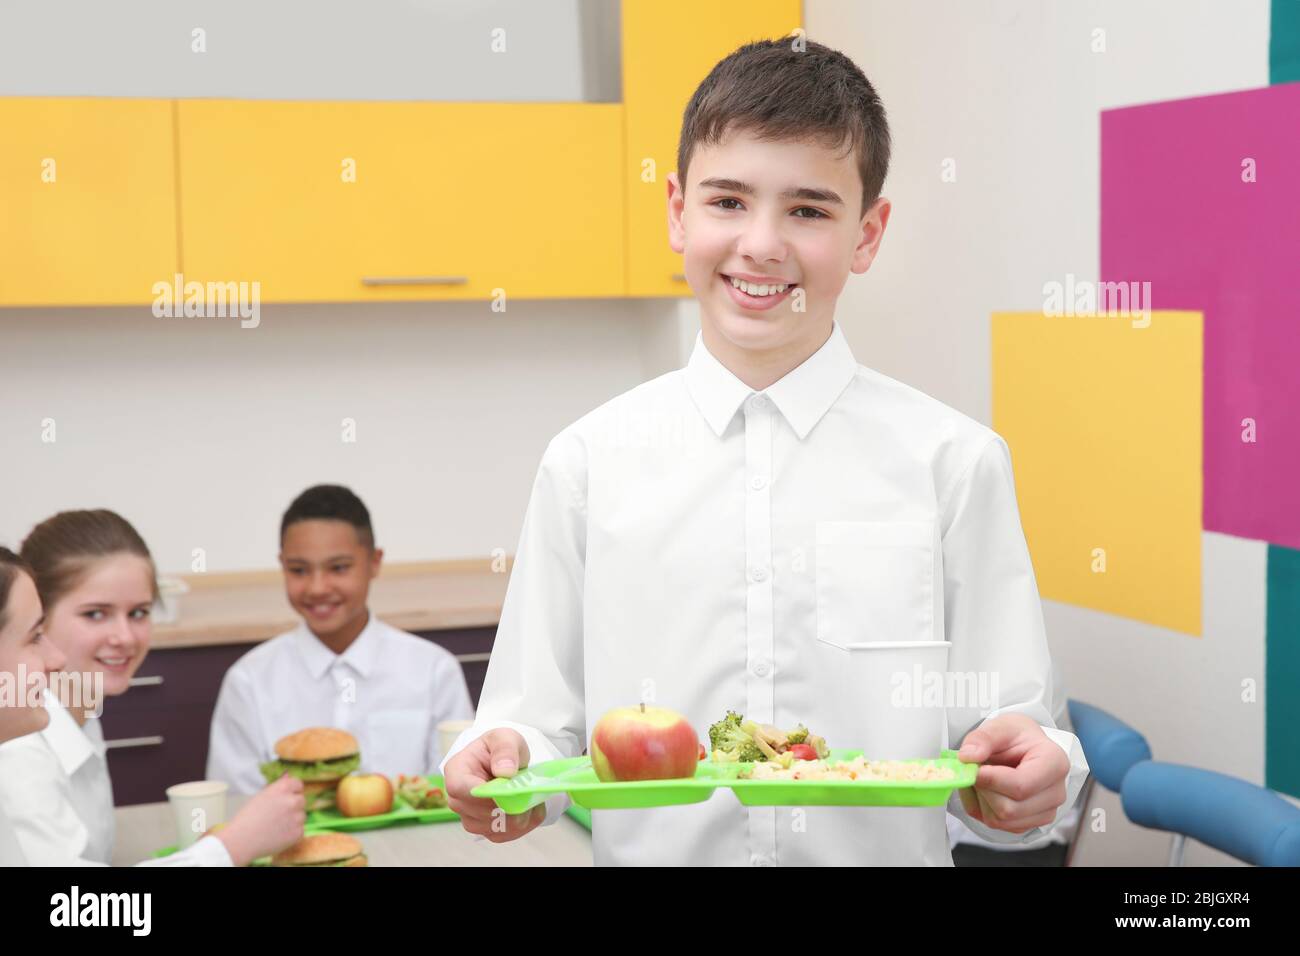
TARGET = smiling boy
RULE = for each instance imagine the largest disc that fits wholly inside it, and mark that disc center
(783, 503)
(342, 667)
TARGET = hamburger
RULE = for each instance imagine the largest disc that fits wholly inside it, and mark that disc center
(323, 849)
(320, 757)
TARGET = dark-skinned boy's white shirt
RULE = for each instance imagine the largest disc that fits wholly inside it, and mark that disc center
(700, 546)
(389, 689)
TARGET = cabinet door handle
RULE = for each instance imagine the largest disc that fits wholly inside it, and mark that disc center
(150, 681)
(473, 658)
(127, 742)
(414, 280)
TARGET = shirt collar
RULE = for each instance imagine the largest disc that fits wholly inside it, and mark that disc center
(70, 743)
(360, 654)
(803, 395)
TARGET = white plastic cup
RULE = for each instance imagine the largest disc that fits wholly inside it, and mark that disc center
(891, 687)
(197, 807)
(449, 731)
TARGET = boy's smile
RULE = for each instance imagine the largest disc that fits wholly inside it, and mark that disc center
(760, 215)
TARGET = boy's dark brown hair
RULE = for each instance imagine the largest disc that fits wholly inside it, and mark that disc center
(791, 89)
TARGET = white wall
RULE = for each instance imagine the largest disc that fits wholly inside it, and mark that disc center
(1012, 92)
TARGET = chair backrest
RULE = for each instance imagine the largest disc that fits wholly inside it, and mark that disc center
(1111, 746)
(1249, 822)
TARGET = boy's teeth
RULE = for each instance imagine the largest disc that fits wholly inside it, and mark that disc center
(754, 289)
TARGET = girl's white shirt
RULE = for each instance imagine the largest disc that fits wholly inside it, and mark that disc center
(56, 800)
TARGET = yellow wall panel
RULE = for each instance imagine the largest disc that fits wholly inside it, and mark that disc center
(1104, 424)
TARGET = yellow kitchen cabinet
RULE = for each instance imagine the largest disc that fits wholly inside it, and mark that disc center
(669, 46)
(87, 200)
(375, 201)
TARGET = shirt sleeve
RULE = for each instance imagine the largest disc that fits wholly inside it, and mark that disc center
(534, 681)
(208, 851)
(234, 747)
(994, 618)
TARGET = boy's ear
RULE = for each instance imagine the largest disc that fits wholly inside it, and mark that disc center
(376, 559)
(873, 230)
(676, 202)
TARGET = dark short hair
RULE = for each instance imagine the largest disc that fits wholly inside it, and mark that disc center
(11, 565)
(330, 503)
(778, 90)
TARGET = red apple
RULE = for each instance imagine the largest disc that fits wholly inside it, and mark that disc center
(643, 743)
(364, 795)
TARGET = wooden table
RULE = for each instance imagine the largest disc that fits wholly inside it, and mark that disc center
(147, 827)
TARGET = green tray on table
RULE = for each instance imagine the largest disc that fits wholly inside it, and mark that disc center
(400, 813)
(576, 777)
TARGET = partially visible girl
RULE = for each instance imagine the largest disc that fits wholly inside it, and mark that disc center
(26, 658)
(95, 579)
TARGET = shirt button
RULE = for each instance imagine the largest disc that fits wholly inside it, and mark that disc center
(762, 667)
(758, 401)
(758, 575)
(758, 482)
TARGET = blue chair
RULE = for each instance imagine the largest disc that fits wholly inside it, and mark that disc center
(1112, 748)
(1249, 822)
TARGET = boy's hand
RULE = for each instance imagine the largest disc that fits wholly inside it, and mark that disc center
(1022, 782)
(498, 753)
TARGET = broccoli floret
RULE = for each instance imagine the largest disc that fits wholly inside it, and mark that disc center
(748, 752)
(724, 730)
(731, 740)
(797, 736)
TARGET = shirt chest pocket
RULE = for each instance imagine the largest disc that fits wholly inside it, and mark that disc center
(875, 581)
(397, 741)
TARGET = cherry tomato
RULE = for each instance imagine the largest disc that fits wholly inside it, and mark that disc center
(702, 753)
(803, 752)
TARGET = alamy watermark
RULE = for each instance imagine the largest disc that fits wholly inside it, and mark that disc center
(75, 690)
(181, 299)
(1088, 299)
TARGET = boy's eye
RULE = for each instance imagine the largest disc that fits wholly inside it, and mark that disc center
(819, 213)
(719, 202)
(340, 568)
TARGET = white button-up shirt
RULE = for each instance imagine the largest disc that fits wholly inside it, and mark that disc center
(696, 545)
(57, 795)
(389, 689)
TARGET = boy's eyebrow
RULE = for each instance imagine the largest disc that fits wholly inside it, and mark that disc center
(803, 192)
(329, 560)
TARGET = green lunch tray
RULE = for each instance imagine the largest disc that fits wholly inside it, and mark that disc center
(575, 776)
(401, 813)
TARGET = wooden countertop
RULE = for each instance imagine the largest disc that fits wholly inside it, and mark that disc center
(250, 606)
(147, 827)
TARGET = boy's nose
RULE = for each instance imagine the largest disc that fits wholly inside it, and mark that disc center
(762, 241)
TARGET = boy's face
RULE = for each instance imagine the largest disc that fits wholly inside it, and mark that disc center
(327, 573)
(783, 211)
